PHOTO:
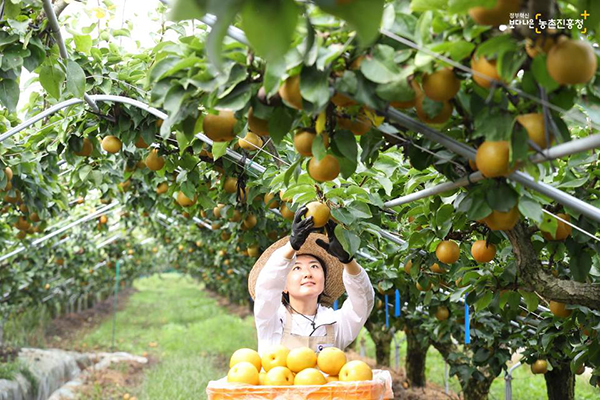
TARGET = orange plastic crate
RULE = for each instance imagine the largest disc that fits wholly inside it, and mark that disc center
(377, 389)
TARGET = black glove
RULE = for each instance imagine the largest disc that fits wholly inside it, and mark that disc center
(301, 228)
(334, 247)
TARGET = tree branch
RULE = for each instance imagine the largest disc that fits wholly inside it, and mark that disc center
(536, 278)
(273, 150)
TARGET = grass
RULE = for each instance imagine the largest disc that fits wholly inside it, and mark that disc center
(8, 371)
(192, 335)
(27, 328)
(524, 383)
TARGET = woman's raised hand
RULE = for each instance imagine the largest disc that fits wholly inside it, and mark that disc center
(334, 247)
(301, 228)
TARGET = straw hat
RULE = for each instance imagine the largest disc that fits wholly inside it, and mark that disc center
(334, 285)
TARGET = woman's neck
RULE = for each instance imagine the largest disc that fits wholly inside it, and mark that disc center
(304, 307)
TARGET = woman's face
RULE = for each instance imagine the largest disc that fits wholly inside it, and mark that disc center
(306, 280)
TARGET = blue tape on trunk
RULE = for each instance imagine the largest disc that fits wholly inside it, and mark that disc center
(467, 327)
(398, 309)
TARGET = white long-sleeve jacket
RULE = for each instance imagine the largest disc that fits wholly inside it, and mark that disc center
(269, 311)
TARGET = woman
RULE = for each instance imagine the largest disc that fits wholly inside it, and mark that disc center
(295, 282)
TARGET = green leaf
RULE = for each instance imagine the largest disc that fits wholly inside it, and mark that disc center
(314, 86)
(463, 6)
(12, 8)
(225, 11)
(5, 38)
(161, 67)
(432, 108)
(509, 63)
(502, 197)
(37, 56)
(458, 294)
(343, 215)
(530, 209)
(180, 65)
(519, 145)
(580, 261)
(318, 148)
(398, 90)
(273, 73)
(380, 67)
(347, 84)
(531, 300)
(347, 166)
(479, 208)
(443, 220)
(51, 79)
(364, 16)
(291, 170)
(83, 43)
(187, 9)
(346, 144)
(237, 99)
(349, 241)
(359, 209)
(460, 50)
(84, 172)
(269, 26)
(219, 149)
(182, 141)
(541, 75)
(75, 79)
(493, 124)
(428, 5)
(280, 123)
(496, 46)
(9, 94)
(549, 224)
(481, 355)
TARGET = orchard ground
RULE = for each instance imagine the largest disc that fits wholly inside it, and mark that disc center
(188, 335)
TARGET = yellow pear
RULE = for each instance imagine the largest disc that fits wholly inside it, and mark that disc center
(275, 356)
(250, 142)
(301, 358)
(248, 355)
(154, 161)
(331, 360)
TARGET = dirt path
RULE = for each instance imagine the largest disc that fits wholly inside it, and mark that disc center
(63, 330)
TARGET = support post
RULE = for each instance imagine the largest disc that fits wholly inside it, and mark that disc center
(508, 381)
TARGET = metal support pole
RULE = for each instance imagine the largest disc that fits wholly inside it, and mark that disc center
(435, 190)
(59, 231)
(396, 352)
(508, 381)
(363, 350)
(53, 22)
(232, 31)
(201, 222)
(115, 303)
(568, 148)
(446, 378)
(562, 150)
(469, 152)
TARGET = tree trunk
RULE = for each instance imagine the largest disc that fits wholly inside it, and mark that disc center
(416, 356)
(477, 386)
(534, 278)
(475, 389)
(560, 383)
(382, 339)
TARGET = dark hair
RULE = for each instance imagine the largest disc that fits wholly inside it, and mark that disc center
(285, 297)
